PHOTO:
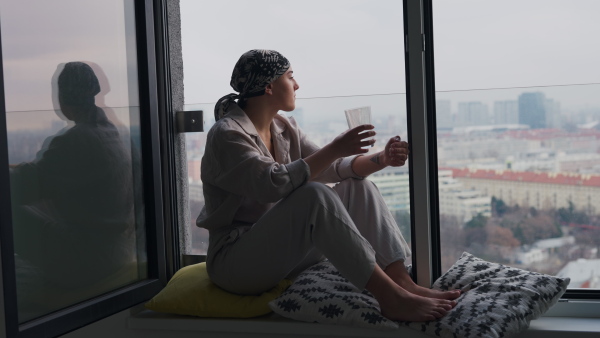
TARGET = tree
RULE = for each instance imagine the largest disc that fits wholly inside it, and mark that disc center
(478, 221)
(571, 215)
(499, 208)
(502, 237)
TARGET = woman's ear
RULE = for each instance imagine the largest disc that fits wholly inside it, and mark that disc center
(269, 89)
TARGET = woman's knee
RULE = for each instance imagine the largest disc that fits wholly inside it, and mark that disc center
(314, 191)
(355, 184)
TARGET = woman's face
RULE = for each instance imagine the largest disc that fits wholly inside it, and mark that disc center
(284, 91)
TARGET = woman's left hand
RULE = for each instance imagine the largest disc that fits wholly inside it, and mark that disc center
(395, 153)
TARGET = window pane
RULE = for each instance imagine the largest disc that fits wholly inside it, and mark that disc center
(517, 119)
(72, 111)
(345, 54)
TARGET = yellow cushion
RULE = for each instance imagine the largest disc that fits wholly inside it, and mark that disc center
(190, 292)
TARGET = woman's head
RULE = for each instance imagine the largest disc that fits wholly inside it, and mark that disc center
(253, 72)
(77, 84)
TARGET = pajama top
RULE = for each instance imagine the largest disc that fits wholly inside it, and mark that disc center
(241, 179)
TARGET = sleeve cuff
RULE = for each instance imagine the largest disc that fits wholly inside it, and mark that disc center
(299, 172)
(345, 168)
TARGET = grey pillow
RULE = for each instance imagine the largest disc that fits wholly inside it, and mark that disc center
(497, 300)
(320, 294)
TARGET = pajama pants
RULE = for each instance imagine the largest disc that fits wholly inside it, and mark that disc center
(348, 224)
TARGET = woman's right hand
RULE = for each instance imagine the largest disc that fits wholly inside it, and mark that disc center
(352, 141)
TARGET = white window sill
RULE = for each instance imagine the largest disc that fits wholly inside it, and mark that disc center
(276, 326)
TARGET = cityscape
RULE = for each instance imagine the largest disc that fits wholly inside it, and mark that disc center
(519, 180)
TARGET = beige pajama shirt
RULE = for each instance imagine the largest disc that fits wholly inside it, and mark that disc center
(267, 221)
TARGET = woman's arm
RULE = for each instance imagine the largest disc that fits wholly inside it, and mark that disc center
(348, 143)
(394, 154)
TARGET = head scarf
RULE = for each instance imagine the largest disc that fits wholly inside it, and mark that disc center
(252, 73)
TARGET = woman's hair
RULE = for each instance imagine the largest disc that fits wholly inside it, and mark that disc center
(252, 73)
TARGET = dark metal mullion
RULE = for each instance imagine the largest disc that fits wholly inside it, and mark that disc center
(582, 294)
(419, 142)
(415, 267)
(151, 139)
(9, 282)
(436, 263)
(169, 181)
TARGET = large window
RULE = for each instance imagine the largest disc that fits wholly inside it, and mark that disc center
(517, 134)
(517, 164)
(79, 208)
(364, 66)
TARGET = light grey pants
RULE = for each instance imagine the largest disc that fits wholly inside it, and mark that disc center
(350, 225)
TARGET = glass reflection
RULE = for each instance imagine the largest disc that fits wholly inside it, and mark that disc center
(74, 218)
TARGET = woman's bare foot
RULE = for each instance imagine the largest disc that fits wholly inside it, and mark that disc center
(405, 306)
(397, 303)
(430, 293)
(397, 272)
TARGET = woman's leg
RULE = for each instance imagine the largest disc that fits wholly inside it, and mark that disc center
(308, 223)
(313, 218)
(373, 219)
(376, 223)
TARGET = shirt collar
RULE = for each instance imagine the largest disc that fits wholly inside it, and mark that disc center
(239, 116)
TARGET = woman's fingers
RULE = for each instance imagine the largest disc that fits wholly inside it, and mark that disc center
(362, 128)
(367, 143)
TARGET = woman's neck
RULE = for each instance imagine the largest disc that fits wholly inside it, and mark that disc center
(261, 116)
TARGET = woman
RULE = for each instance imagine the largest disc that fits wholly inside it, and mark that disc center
(269, 214)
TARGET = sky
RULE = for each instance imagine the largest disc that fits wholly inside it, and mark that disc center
(338, 48)
(60, 31)
(352, 47)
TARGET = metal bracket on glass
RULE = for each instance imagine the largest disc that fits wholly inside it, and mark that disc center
(190, 121)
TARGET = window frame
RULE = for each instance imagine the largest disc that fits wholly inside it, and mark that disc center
(158, 183)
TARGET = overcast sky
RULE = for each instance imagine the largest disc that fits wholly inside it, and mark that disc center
(352, 47)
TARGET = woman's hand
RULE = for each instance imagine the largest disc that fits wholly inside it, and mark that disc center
(395, 153)
(352, 141)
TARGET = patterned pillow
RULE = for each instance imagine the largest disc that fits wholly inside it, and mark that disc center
(320, 294)
(497, 300)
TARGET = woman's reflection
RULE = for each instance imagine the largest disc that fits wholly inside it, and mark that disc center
(73, 205)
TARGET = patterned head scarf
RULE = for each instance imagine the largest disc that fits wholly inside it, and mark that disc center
(252, 73)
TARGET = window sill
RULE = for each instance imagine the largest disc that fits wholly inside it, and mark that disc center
(276, 326)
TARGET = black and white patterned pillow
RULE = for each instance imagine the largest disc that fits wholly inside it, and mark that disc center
(320, 294)
(497, 300)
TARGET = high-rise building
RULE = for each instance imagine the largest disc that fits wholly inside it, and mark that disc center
(506, 112)
(443, 115)
(472, 114)
(532, 110)
(553, 119)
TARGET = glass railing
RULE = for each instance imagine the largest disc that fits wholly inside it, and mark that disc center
(322, 119)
